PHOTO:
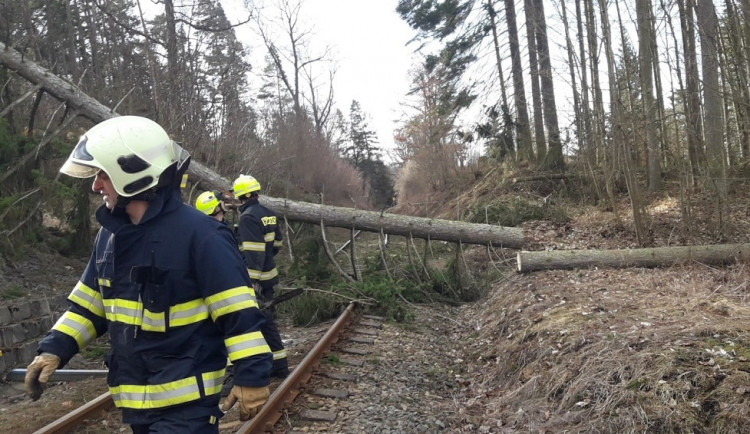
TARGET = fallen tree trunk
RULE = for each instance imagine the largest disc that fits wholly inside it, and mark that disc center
(396, 224)
(644, 257)
(434, 229)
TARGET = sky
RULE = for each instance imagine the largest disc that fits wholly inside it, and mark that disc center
(367, 40)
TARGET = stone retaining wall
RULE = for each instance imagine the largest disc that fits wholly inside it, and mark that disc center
(22, 325)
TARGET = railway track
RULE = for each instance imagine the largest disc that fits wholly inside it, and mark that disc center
(313, 397)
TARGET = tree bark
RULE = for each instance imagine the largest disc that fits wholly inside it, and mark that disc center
(694, 121)
(646, 41)
(712, 103)
(524, 148)
(396, 224)
(536, 93)
(645, 257)
(434, 229)
(553, 158)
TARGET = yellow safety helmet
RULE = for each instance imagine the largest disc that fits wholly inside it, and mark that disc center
(208, 203)
(245, 184)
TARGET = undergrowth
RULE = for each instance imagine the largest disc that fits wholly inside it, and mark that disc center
(514, 211)
(438, 274)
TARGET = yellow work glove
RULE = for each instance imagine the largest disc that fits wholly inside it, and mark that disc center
(38, 373)
(251, 399)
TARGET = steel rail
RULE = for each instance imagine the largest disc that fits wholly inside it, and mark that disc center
(283, 395)
(73, 419)
(60, 374)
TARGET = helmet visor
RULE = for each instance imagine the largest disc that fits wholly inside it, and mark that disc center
(75, 165)
(77, 170)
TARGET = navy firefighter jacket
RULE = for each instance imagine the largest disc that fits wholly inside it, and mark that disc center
(261, 239)
(175, 297)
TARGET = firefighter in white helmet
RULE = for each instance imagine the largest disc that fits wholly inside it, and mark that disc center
(166, 283)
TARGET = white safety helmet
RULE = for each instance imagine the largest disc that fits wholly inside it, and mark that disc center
(134, 151)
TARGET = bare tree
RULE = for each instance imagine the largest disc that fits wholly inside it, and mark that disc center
(523, 129)
(712, 100)
(619, 142)
(694, 123)
(553, 159)
(646, 42)
(294, 62)
(536, 93)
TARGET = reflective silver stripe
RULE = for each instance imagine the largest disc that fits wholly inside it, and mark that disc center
(212, 381)
(281, 354)
(154, 321)
(246, 345)
(230, 301)
(150, 396)
(121, 310)
(269, 237)
(87, 298)
(188, 313)
(250, 246)
(77, 327)
(254, 274)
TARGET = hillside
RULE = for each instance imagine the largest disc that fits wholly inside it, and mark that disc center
(610, 350)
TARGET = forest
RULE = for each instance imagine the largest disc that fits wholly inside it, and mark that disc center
(628, 95)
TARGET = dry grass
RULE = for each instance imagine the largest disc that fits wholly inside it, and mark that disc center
(640, 350)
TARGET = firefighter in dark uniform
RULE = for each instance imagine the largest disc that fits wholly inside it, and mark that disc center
(260, 241)
(166, 283)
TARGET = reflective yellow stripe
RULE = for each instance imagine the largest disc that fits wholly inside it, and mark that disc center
(125, 311)
(262, 275)
(183, 183)
(212, 381)
(269, 237)
(152, 396)
(87, 298)
(281, 354)
(188, 313)
(278, 243)
(246, 345)
(231, 300)
(132, 312)
(154, 321)
(268, 275)
(254, 274)
(250, 246)
(104, 282)
(77, 327)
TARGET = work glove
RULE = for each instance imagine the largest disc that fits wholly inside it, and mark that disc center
(251, 399)
(38, 373)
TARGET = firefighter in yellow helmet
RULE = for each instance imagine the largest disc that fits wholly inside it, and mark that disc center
(211, 203)
(260, 240)
(158, 281)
